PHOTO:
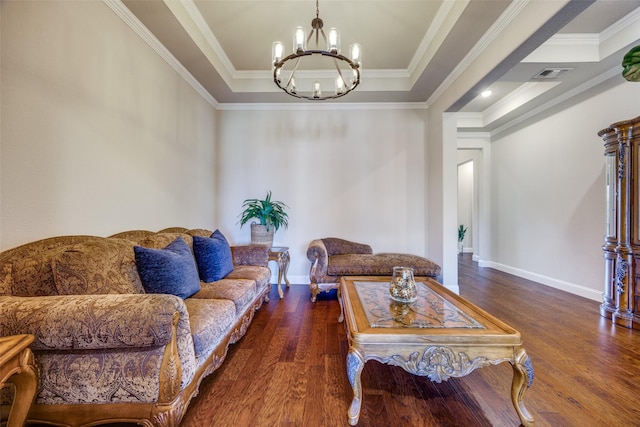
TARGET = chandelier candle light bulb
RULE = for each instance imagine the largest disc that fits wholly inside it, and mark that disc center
(339, 85)
(277, 51)
(299, 41)
(354, 52)
(285, 67)
(334, 41)
(317, 92)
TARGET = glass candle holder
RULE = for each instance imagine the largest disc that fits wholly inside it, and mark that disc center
(403, 286)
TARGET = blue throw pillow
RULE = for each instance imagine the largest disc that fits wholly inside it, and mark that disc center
(171, 270)
(213, 256)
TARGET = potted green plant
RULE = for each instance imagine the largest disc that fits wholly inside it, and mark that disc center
(270, 214)
(631, 65)
(462, 230)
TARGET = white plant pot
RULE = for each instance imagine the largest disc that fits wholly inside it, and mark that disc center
(260, 235)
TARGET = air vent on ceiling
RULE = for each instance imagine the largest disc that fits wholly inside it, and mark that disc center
(551, 73)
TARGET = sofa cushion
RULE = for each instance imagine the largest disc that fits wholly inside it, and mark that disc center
(260, 275)
(105, 266)
(379, 264)
(31, 274)
(213, 256)
(133, 235)
(171, 270)
(240, 291)
(5, 279)
(161, 240)
(210, 320)
(202, 232)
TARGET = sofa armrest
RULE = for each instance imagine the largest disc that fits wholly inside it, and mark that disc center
(92, 322)
(257, 255)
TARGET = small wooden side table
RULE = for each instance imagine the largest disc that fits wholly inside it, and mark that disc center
(280, 254)
(17, 366)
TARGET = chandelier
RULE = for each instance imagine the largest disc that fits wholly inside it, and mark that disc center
(284, 69)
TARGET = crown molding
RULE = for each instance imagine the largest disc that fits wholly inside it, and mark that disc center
(322, 106)
(446, 17)
(143, 32)
(611, 73)
(512, 11)
(630, 21)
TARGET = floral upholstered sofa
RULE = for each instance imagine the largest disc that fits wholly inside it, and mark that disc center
(332, 258)
(127, 326)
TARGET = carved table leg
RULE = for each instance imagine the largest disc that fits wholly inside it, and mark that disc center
(285, 267)
(522, 379)
(280, 262)
(26, 383)
(355, 364)
(341, 317)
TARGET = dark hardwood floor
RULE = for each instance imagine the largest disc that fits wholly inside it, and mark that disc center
(289, 369)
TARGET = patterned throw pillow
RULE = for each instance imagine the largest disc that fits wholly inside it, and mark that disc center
(213, 256)
(170, 270)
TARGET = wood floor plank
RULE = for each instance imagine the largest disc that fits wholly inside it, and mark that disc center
(290, 368)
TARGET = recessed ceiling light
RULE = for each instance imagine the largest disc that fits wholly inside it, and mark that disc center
(486, 93)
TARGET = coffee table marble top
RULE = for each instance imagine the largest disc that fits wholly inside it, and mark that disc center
(430, 310)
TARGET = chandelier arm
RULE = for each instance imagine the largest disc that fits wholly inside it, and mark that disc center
(335, 62)
(295, 67)
(324, 37)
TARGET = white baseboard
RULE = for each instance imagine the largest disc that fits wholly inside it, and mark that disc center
(547, 281)
(295, 279)
(453, 288)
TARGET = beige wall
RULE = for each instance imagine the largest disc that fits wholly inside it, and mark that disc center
(548, 194)
(98, 133)
(467, 203)
(356, 174)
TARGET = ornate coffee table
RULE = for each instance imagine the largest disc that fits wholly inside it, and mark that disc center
(439, 336)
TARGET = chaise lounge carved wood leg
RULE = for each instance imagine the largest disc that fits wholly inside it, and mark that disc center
(315, 290)
(313, 283)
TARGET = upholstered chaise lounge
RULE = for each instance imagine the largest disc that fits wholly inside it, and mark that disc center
(332, 258)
